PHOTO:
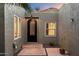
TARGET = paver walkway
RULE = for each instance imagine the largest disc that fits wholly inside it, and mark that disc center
(37, 49)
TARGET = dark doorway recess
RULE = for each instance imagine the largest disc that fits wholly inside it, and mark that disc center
(32, 29)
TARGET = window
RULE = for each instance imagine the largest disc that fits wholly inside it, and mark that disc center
(51, 29)
(17, 27)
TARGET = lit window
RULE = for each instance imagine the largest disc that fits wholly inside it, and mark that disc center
(51, 29)
(17, 27)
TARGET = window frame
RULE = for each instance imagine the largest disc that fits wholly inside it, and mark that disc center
(52, 29)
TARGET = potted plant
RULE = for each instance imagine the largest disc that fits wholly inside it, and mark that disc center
(62, 49)
(52, 43)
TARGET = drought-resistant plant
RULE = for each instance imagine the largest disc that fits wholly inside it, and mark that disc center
(52, 43)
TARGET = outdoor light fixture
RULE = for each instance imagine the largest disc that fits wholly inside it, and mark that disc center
(72, 19)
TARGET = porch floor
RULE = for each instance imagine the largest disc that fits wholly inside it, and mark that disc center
(37, 49)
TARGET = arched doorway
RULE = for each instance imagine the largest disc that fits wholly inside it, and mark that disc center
(32, 30)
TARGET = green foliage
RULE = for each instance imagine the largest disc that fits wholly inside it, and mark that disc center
(26, 6)
(52, 43)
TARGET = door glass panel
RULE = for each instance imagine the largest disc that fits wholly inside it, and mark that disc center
(32, 27)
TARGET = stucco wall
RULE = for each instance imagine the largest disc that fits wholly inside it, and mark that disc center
(45, 18)
(65, 25)
(68, 29)
(10, 11)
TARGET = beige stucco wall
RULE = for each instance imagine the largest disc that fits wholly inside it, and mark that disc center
(69, 29)
(10, 11)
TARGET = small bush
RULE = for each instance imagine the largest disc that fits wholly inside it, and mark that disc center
(51, 43)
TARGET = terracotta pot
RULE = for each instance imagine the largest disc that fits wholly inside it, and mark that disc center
(62, 51)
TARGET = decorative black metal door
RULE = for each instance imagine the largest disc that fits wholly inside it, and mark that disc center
(32, 30)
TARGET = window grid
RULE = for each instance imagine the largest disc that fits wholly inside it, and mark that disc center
(51, 29)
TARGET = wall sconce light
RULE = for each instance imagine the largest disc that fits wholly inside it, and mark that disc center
(72, 19)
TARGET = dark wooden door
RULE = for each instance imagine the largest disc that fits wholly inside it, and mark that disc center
(32, 30)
